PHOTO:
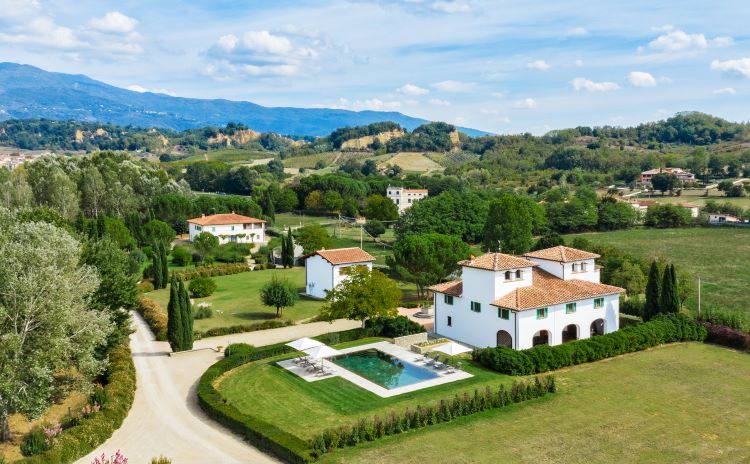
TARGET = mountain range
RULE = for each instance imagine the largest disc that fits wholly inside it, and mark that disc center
(28, 92)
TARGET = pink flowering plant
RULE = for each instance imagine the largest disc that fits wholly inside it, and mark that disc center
(51, 431)
(117, 458)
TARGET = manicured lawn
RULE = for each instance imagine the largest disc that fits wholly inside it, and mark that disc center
(304, 408)
(720, 256)
(674, 404)
(237, 299)
(283, 220)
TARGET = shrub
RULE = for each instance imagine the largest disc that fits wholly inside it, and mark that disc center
(212, 271)
(733, 319)
(203, 311)
(90, 432)
(445, 410)
(99, 396)
(727, 336)
(542, 358)
(35, 442)
(146, 286)
(394, 326)
(202, 287)
(233, 329)
(154, 317)
(181, 256)
(161, 460)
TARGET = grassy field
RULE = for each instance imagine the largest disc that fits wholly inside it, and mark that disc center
(232, 156)
(284, 220)
(674, 404)
(303, 408)
(413, 162)
(237, 299)
(697, 197)
(718, 255)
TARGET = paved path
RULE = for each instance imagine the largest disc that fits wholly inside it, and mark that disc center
(165, 418)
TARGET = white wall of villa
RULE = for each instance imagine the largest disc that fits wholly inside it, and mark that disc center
(321, 276)
(236, 233)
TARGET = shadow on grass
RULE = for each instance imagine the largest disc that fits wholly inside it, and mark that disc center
(256, 316)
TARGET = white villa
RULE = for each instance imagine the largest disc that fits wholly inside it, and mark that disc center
(719, 218)
(324, 269)
(548, 296)
(230, 227)
(404, 197)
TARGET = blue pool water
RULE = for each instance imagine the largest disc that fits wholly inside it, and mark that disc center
(383, 369)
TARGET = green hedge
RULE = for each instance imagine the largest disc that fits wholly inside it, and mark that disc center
(233, 329)
(257, 431)
(91, 432)
(542, 358)
(445, 410)
(154, 317)
(212, 271)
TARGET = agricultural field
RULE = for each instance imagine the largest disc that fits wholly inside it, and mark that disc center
(452, 158)
(696, 197)
(231, 156)
(718, 255)
(412, 162)
(237, 299)
(284, 220)
(677, 403)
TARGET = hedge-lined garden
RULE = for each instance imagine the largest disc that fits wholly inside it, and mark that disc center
(154, 316)
(542, 358)
(212, 271)
(90, 431)
(445, 410)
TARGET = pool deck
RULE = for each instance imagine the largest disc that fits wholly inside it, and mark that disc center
(402, 354)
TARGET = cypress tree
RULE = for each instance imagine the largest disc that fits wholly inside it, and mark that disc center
(669, 300)
(284, 245)
(174, 323)
(186, 318)
(164, 265)
(287, 250)
(653, 290)
(156, 267)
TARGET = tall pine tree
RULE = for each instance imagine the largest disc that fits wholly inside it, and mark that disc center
(287, 250)
(653, 290)
(158, 274)
(669, 299)
(164, 265)
(174, 317)
(186, 317)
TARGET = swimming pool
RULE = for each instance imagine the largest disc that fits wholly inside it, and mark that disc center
(383, 369)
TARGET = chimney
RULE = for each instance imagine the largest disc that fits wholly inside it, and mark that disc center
(203, 215)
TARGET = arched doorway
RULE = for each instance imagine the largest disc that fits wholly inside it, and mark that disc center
(541, 338)
(570, 333)
(597, 327)
(504, 339)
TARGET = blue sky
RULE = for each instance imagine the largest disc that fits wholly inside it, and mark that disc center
(504, 67)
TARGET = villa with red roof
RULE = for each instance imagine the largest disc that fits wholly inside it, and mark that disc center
(229, 228)
(405, 197)
(548, 296)
(325, 269)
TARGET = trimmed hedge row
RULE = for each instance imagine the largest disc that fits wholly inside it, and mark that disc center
(722, 335)
(233, 329)
(543, 358)
(212, 271)
(446, 410)
(154, 317)
(257, 431)
(95, 430)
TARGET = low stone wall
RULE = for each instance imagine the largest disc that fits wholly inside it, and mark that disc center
(408, 340)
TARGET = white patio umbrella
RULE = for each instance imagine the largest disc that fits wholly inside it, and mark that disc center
(452, 348)
(304, 343)
(321, 352)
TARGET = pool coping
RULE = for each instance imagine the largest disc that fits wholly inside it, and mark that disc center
(402, 354)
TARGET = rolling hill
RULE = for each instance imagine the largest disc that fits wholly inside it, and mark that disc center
(27, 92)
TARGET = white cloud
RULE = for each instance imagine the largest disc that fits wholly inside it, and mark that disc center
(539, 65)
(577, 32)
(498, 94)
(663, 28)
(726, 91)
(740, 66)
(580, 83)
(114, 22)
(43, 31)
(578, 63)
(141, 89)
(641, 79)
(14, 9)
(451, 7)
(264, 41)
(413, 90)
(439, 102)
(453, 86)
(525, 104)
(677, 40)
(376, 104)
(270, 70)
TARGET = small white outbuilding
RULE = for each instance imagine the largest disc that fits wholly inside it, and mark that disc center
(324, 269)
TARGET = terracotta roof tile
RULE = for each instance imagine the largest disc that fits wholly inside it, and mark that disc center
(454, 287)
(345, 255)
(223, 219)
(547, 290)
(497, 262)
(561, 253)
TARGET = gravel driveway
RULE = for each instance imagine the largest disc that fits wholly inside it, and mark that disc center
(165, 418)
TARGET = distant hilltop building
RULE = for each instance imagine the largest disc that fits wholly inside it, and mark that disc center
(404, 197)
(681, 174)
(229, 228)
